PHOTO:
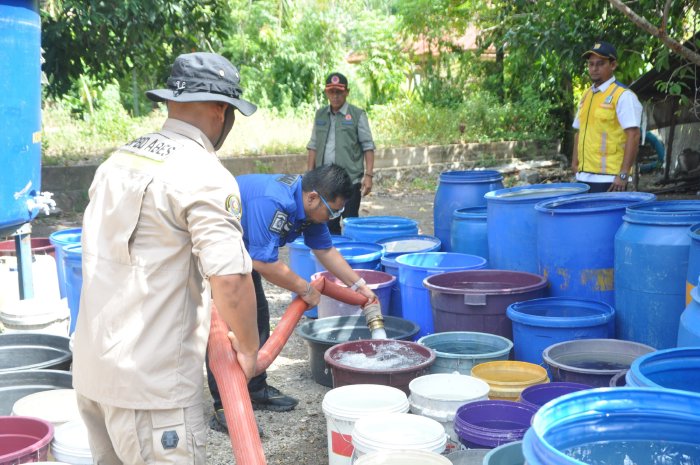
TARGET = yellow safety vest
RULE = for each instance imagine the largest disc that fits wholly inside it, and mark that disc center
(601, 139)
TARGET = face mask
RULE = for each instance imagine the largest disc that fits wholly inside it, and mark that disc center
(229, 118)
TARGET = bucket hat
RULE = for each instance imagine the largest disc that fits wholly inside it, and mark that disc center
(203, 77)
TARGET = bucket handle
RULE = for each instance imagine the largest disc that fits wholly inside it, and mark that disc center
(475, 299)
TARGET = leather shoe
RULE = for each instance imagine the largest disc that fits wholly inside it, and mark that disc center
(217, 422)
(270, 398)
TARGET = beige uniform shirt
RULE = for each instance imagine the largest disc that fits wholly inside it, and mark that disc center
(164, 215)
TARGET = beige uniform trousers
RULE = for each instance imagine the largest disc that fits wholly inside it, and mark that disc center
(120, 436)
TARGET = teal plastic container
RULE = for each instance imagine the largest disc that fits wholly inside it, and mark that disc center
(539, 323)
(671, 369)
(375, 228)
(460, 350)
(689, 326)
(414, 268)
(651, 267)
(468, 232)
(643, 426)
(60, 239)
(73, 261)
(512, 223)
(507, 454)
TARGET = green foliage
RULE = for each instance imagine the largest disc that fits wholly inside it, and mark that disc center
(262, 167)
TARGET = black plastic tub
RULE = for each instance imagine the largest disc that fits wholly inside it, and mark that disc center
(34, 351)
(324, 333)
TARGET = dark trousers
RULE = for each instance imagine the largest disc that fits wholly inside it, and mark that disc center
(352, 209)
(258, 382)
(596, 187)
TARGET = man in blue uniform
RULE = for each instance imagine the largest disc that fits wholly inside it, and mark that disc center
(276, 209)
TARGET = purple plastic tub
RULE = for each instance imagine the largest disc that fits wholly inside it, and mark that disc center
(539, 394)
(476, 300)
(485, 424)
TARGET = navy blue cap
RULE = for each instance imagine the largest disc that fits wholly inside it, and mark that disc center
(602, 49)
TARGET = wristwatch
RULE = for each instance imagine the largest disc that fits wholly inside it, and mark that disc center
(623, 176)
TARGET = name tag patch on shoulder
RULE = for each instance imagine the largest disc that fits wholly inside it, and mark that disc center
(153, 146)
(279, 223)
(288, 179)
(233, 206)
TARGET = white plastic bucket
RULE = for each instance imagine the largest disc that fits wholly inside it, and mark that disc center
(44, 278)
(70, 444)
(402, 457)
(344, 405)
(397, 431)
(48, 316)
(57, 406)
(438, 396)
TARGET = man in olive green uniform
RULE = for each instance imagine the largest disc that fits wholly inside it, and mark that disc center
(341, 135)
(161, 237)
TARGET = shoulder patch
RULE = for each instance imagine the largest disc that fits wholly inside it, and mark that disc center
(233, 206)
(279, 223)
(288, 179)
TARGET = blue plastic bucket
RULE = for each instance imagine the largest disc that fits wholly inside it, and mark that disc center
(468, 232)
(20, 112)
(476, 300)
(540, 394)
(651, 266)
(301, 263)
(399, 245)
(670, 369)
(414, 268)
(363, 255)
(389, 266)
(460, 350)
(460, 189)
(539, 323)
(73, 261)
(512, 223)
(375, 228)
(693, 262)
(60, 239)
(379, 281)
(606, 425)
(689, 326)
(507, 454)
(575, 242)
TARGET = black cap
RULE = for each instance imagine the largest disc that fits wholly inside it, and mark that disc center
(203, 77)
(336, 81)
(602, 49)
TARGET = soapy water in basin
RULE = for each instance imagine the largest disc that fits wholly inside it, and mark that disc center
(382, 357)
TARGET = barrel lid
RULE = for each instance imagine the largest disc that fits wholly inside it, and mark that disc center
(593, 203)
(57, 406)
(535, 192)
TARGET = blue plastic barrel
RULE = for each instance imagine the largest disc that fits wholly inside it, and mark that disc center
(364, 255)
(677, 368)
(608, 424)
(460, 189)
(389, 266)
(73, 261)
(512, 223)
(651, 266)
(693, 262)
(468, 232)
(689, 326)
(301, 263)
(575, 242)
(414, 268)
(61, 239)
(539, 323)
(20, 111)
(375, 228)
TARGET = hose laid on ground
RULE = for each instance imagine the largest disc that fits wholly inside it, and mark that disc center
(233, 386)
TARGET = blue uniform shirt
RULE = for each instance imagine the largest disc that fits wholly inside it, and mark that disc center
(273, 215)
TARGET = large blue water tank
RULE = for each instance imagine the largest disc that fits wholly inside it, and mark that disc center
(575, 242)
(20, 111)
(651, 262)
(512, 223)
(460, 189)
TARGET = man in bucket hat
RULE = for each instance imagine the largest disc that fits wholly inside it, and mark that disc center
(161, 234)
(607, 124)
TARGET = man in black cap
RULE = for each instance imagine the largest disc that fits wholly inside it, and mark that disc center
(608, 121)
(341, 135)
(162, 236)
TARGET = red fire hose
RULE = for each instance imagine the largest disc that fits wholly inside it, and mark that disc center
(233, 386)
